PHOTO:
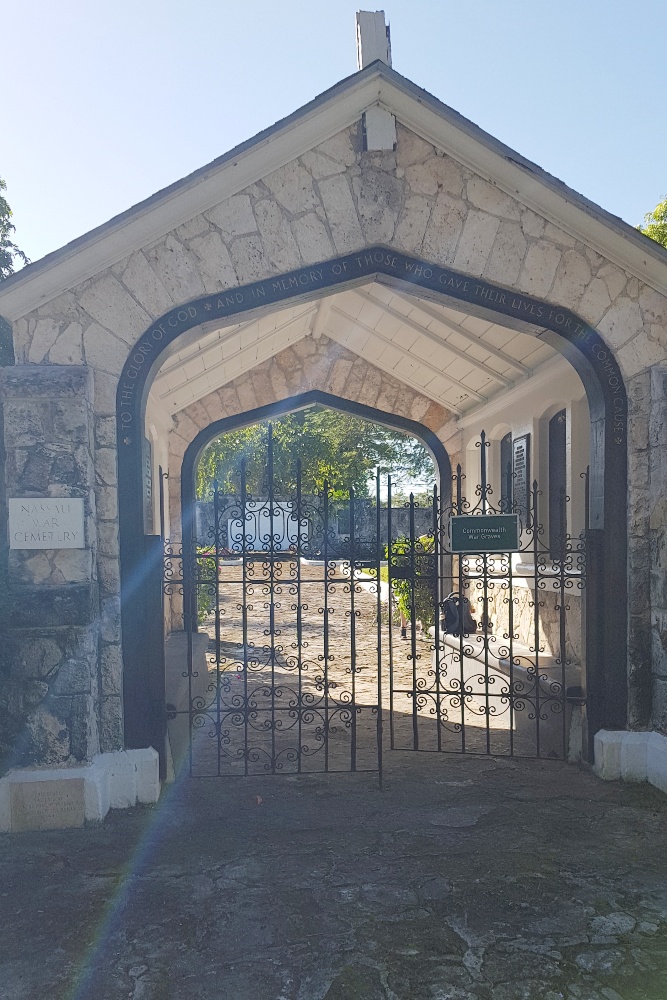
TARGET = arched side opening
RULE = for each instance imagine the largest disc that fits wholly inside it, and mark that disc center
(314, 398)
(579, 343)
(281, 572)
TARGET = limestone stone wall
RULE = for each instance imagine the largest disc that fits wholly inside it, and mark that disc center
(50, 616)
(337, 199)
(309, 364)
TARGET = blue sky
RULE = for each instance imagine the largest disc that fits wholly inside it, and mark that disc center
(108, 103)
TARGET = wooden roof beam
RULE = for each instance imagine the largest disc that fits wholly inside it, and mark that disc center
(459, 386)
(450, 324)
(433, 337)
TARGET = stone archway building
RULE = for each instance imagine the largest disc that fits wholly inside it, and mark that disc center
(310, 190)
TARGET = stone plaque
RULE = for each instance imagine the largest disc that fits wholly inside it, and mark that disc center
(47, 805)
(521, 469)
(46, 523)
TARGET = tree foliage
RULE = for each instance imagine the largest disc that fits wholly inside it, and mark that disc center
(340, 449)
(9, 252)
(655, 223)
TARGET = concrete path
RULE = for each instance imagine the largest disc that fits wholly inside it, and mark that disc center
(465, 879)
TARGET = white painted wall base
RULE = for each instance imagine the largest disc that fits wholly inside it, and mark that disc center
(631, 757)
(53, 798)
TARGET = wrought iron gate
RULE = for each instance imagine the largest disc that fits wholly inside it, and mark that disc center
(505, 678)
(319, 618)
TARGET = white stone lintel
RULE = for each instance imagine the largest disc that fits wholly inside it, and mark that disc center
(52, 798)
(627, 756)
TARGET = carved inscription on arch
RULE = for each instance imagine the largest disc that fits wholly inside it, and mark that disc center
(328, 275)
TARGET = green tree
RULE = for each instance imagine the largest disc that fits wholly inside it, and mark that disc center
(9, 252)
(340, 449)
(655, 223)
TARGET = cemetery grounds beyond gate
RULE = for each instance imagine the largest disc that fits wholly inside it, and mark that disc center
(329, 635)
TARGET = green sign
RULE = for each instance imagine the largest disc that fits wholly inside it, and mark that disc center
(486, 533)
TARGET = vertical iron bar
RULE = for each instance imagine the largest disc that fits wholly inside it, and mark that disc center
(436, 614)
(459, 510)
(510, 584)
(299, 612)
(189, 552)
(244, 614)
(485, 600)
(561, 617)
(378, 553)
(272, 610)
(536, 624)
(390, 602)
(325, 610)
(482, 442)
(353, 638)
(216, 570)
(413, 625)
(162, 476)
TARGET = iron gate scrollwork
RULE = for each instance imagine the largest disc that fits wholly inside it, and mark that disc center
(293, 667)
(318, 618)
(508, 679)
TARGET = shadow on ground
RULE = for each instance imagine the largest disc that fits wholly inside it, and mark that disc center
(465, 879)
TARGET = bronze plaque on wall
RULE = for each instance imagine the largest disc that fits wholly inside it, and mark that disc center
(521, 469)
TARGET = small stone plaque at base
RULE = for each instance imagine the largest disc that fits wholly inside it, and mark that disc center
(47, 805)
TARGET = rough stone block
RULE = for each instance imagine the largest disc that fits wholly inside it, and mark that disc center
(633, 756)
(607, 753)
(104, 352)
(147, 765)
(74, 604)
(622, 322)
(660, 703)
(277, 236)
(110, 305)
(249, 259)
(217, 270)
(539, 268)
(476, 241)
(140, 278)
(179, 271)
(341, 213)
(47, 381)
(444, 229)
(5, 808)
(379, 200)
(43, 802)
(122, 775)
(292, 186)
(656, 760)
(488, 198)
(97, 799)
(53, 798)
(312, 238)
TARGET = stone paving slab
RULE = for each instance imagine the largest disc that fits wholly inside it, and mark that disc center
(465, 879)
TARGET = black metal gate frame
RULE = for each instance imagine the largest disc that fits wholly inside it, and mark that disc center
(444, 687)
(442, 691)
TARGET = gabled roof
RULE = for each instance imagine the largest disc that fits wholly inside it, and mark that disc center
(330, 113)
